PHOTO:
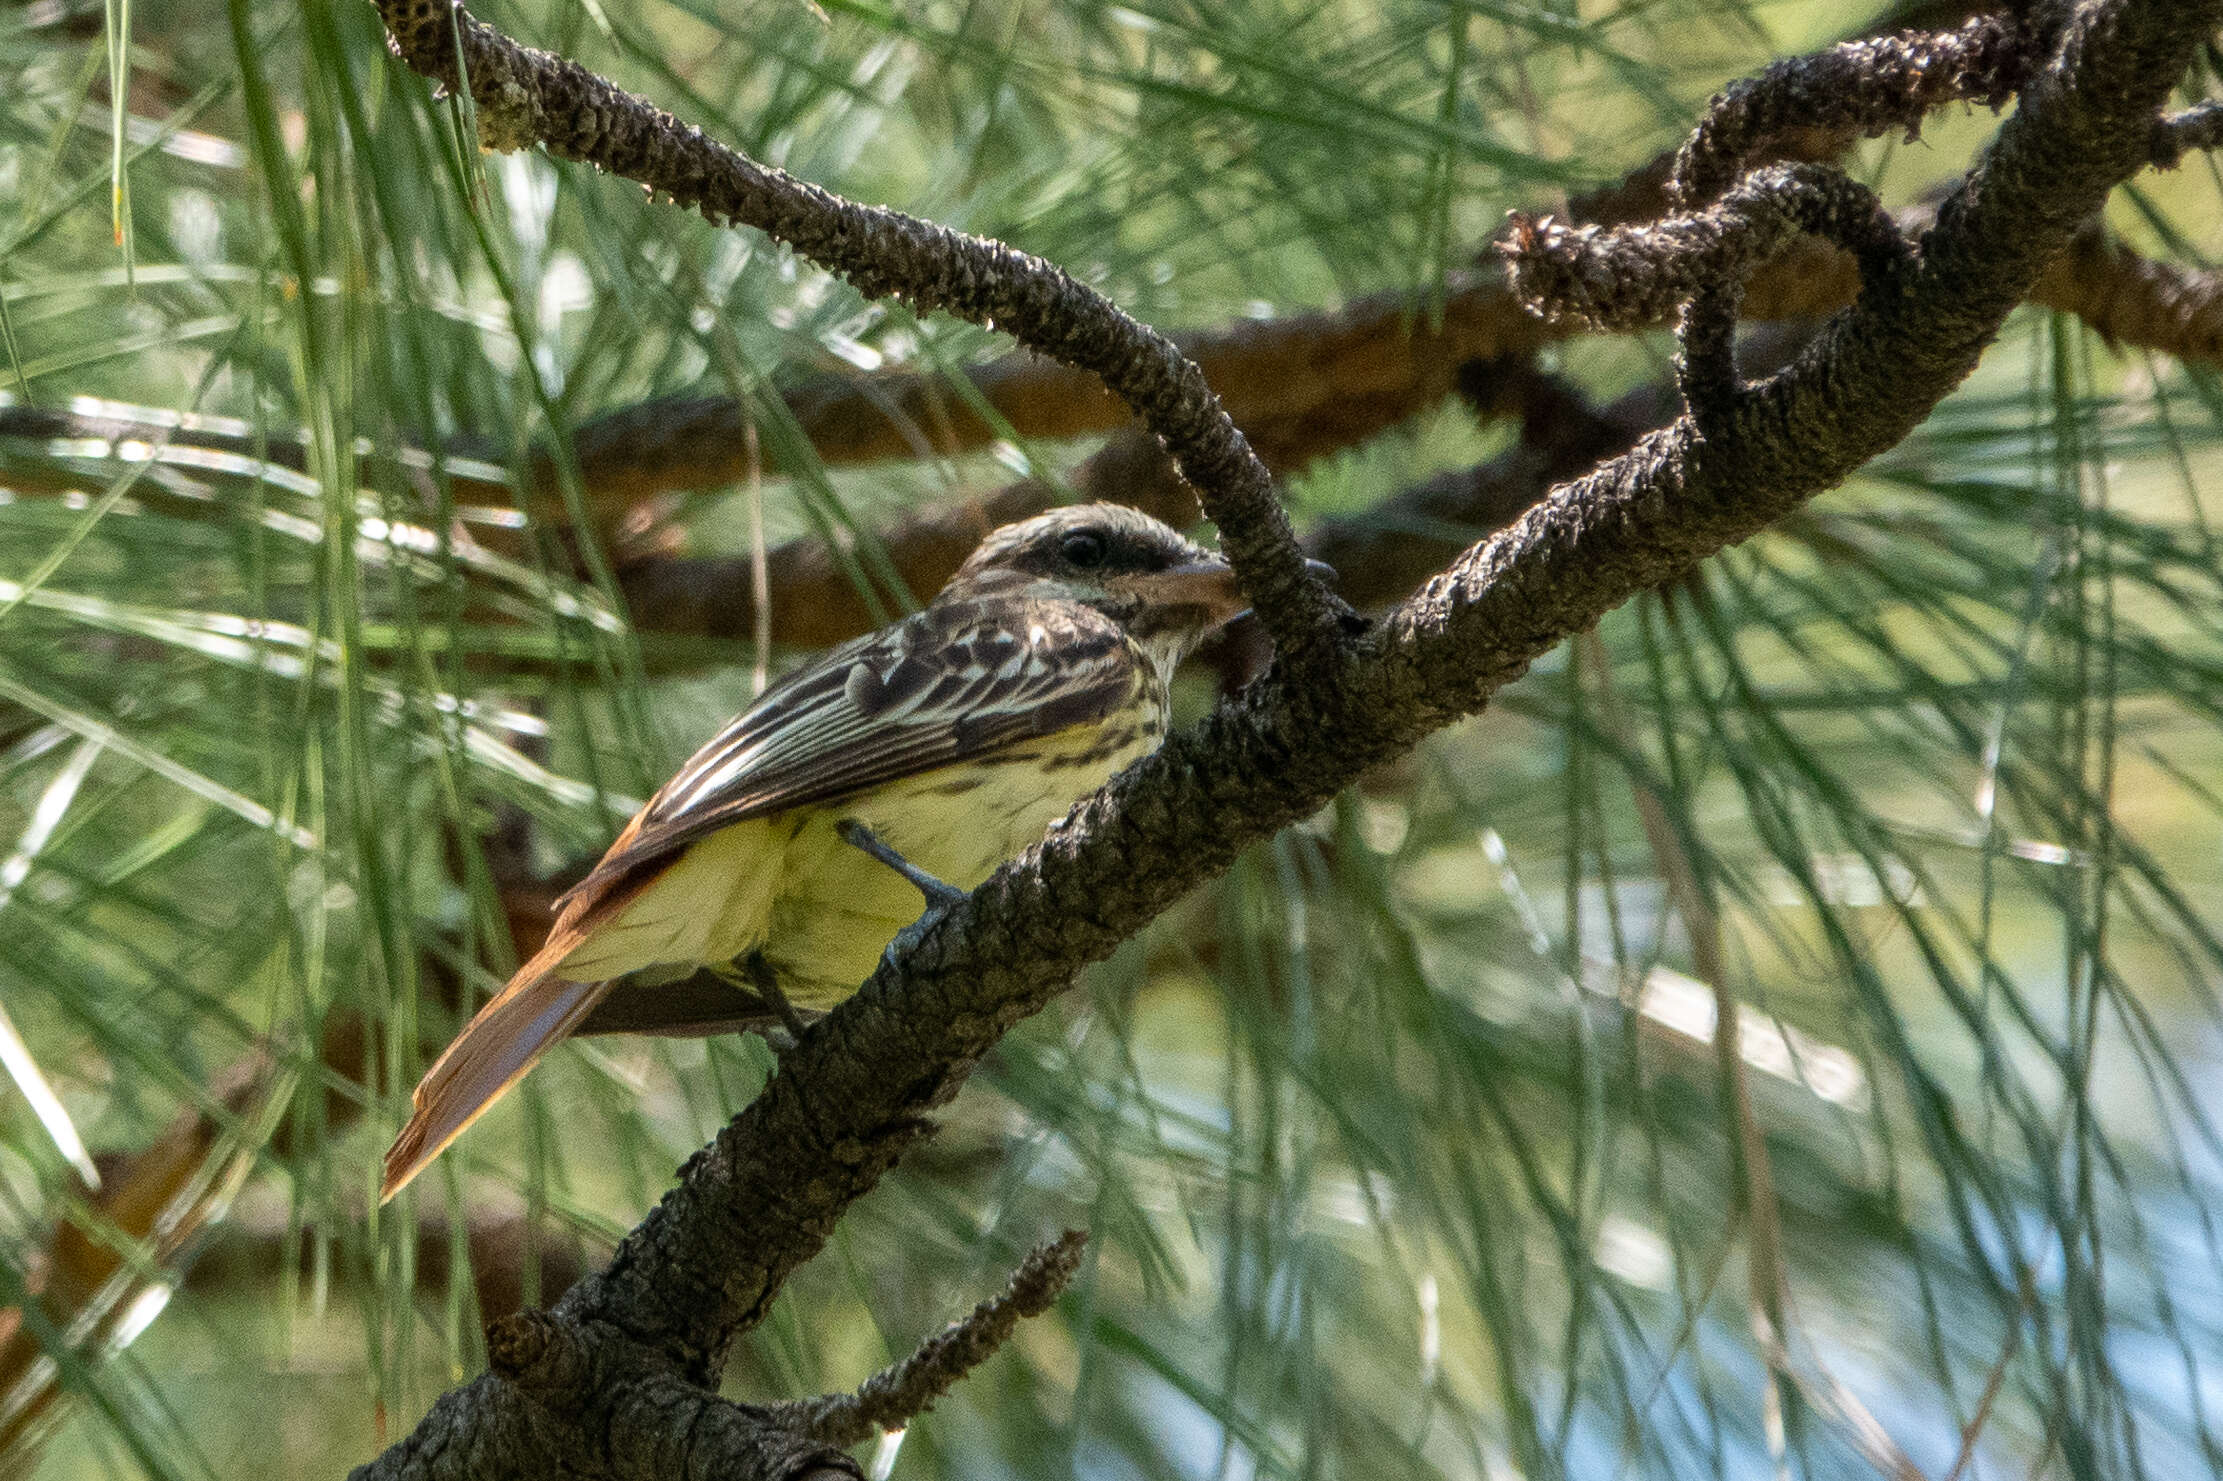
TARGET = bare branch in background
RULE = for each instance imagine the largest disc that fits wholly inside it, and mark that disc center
(649, 451)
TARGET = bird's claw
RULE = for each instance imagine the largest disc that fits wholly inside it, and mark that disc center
(915, 932)
(940, 895)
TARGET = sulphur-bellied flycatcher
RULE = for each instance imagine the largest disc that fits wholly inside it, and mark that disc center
(955, 736)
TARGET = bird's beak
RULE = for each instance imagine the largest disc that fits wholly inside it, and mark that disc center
(1209, 584)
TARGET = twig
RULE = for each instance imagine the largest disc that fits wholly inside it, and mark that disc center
(894, 1396)
(1868, 88)
(1626, 277)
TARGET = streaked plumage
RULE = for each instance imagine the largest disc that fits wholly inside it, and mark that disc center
(957, 735)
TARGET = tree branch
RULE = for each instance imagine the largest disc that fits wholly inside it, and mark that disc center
(706, 1263)
(1626, 277)
(2130, 300)
(1866, 88)
(895, 1396)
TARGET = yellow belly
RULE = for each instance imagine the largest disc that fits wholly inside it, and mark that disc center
(821, 911)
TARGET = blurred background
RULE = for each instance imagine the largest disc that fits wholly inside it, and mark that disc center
(1779, 1037)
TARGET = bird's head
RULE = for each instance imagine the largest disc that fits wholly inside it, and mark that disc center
(1167, 591)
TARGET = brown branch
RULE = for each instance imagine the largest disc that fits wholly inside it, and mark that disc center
(1385, 552)
(1627, 277)
(814, 603)
(159, 1199)
(1288, 383)
(2130, 300)
(1866, 88)
(851, 1096)
(1300, 387)
(661, 1425)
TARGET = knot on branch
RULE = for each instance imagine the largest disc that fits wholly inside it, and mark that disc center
(894, 1396)
(540, 1353)
(1863, 88)
(1628, 277)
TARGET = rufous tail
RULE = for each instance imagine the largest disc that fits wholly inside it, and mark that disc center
(510, 1034)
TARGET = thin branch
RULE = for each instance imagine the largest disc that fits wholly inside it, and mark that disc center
(1867, 88)
(2130, 299)
(1626, 277)
(896, 1395)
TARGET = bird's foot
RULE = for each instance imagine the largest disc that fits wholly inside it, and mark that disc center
(756, 974)
(913, 933)
(790, 1020)
(939, 894)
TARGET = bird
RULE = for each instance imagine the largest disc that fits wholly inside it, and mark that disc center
(794, 847)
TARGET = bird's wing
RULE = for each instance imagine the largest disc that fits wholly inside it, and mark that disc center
(947, 685)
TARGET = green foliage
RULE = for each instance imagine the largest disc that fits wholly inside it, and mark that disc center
(1405, 1147)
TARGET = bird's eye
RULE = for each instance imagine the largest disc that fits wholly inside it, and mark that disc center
(1083, 549)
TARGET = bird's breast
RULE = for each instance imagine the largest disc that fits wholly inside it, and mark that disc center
(838, 908)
